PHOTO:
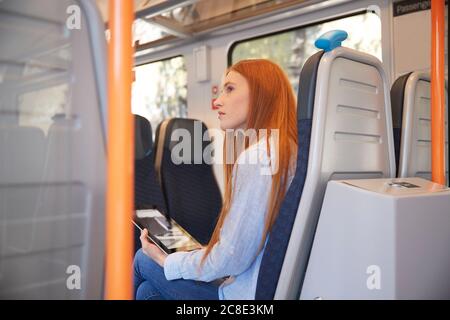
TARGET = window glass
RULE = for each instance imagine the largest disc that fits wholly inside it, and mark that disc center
(160, 90)
(292, 48)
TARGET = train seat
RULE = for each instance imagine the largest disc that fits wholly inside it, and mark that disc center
(344, 132)
(410, 98)
(147, 191)
(190, 188)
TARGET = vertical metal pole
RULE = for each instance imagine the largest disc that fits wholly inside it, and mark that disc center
(437, 92)
(119, 199)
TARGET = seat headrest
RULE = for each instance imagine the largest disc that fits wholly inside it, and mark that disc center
(184, 133)
(307, 87)
(143, 140)
(308, 75)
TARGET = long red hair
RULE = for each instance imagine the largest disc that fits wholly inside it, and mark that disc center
(272, 106)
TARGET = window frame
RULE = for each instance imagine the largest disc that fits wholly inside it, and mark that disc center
(343, 16)
(159, 60)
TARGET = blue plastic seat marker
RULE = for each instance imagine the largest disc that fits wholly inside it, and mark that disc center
(331, 39)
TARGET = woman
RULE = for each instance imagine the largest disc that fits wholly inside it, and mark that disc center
(257, 95)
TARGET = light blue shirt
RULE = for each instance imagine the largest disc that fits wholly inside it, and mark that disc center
(237, 253)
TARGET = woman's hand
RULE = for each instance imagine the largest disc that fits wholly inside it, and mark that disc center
(151, 250)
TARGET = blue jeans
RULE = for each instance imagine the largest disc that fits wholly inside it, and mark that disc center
(150, 283)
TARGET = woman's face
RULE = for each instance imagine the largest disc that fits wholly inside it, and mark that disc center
(233, 102)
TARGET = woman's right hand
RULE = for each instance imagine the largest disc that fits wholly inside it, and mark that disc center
(150, 250)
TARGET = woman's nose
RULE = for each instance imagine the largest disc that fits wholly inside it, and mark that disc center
(218, 102)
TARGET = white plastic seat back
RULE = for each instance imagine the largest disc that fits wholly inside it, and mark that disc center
(411, 105)
(351, 138)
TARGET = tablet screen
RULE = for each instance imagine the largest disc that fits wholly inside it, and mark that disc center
(167, 239)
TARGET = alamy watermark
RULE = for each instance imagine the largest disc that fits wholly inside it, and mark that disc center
(73, 281)
(200, 147)
(73, 21)
(373, 281)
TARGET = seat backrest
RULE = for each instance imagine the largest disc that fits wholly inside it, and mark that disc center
(188, 183)
(344, 132)
(52, 156)
(410, 97)
(147, 190)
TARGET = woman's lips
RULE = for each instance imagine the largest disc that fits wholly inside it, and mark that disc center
(220, 114)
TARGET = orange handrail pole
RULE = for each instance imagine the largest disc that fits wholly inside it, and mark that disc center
(437, 92)
(119, 197)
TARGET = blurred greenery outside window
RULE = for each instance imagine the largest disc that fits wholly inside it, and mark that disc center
(160, 90)
(290, 49)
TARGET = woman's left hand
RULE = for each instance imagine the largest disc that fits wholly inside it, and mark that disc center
(151, 250)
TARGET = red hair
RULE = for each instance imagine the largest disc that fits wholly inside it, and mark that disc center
(272, 106)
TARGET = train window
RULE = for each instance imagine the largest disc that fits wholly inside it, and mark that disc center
(160, 90)
(291, 48)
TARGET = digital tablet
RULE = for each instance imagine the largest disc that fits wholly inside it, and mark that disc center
(168, 239)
